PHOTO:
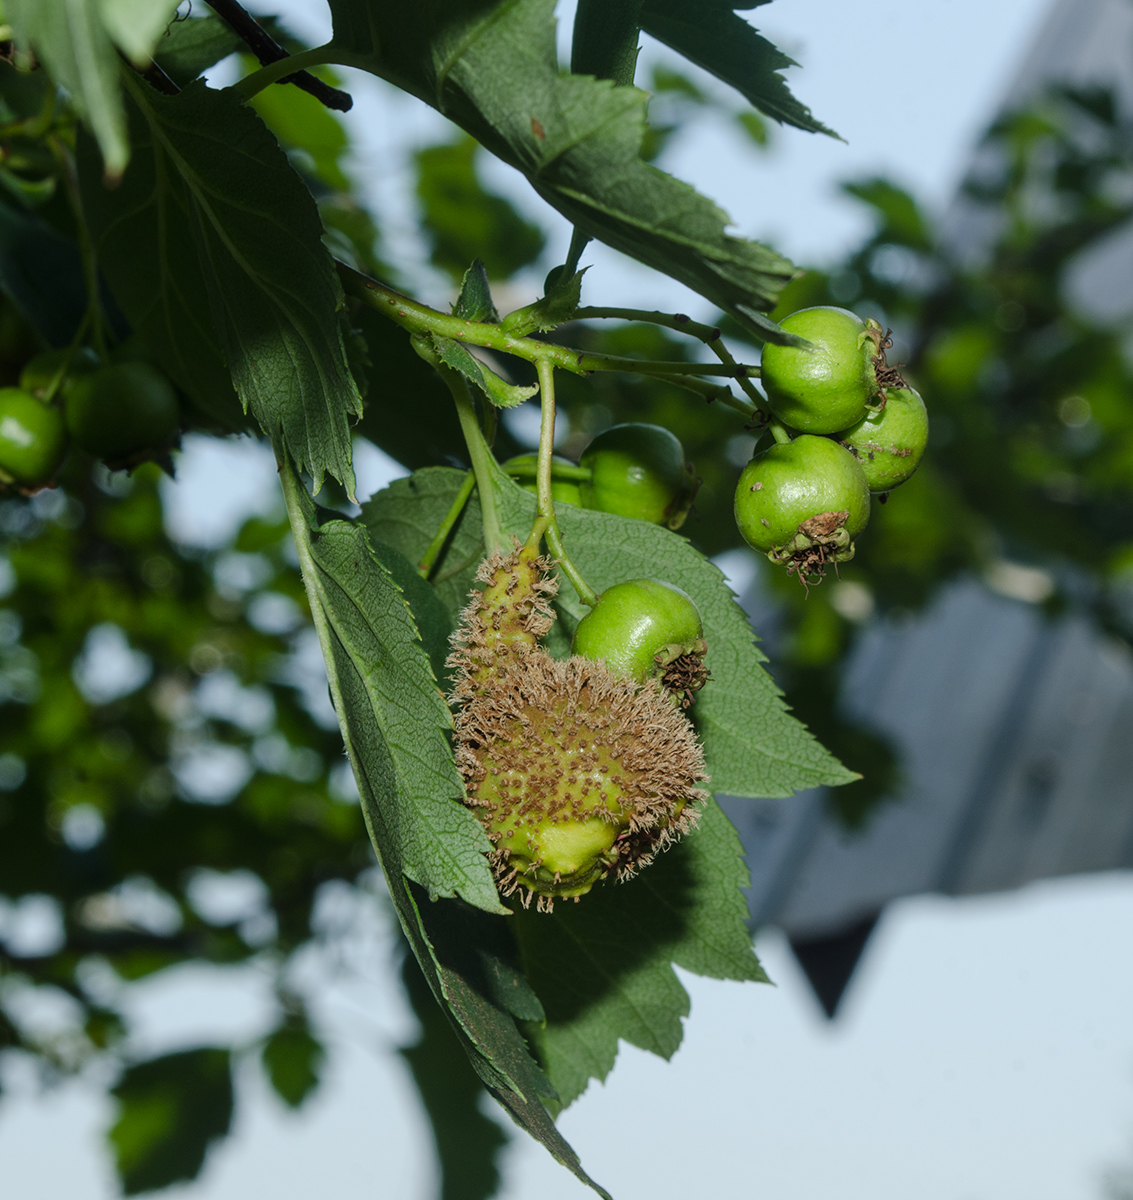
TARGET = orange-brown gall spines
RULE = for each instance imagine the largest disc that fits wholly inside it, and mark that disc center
(576, 773)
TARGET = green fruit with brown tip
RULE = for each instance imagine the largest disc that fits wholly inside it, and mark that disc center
(42, 371)
(824, 386)
(639, 471)
(802, 503)
(123, 413)
(890, 443)
(647, 629)
(32, 439)
(576, 773)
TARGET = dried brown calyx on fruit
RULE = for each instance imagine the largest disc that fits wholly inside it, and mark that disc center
(575, 773)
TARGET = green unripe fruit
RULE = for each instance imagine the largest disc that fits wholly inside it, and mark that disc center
(123, 413)
(523, 467)
(802, 503)
(826, 386)
(32, 439)
(41, 372)
(646, 629)
(639, 470)
(889, 444)
(575, 773)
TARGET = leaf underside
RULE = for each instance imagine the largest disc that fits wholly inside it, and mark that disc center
(491, 67)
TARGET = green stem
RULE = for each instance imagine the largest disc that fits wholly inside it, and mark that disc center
(419, 318)
(429, 558)
(547, 522)
(713, 393)
(677, 321)
(578, 243)
(482, 460)
(250, 85)
(778, 432)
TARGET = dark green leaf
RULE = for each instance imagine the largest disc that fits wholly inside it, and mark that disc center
(135, 25)
(604, 967)
(475, 300)
(193, 45)
(293, 1058)
(467, 1142)
(273, 289)
(462, 220)
(604, 40)
(41, 272)
(394, 720)
(710, 34)
(407, 515)
(170, 1110)
(150, 262)
(493, 69)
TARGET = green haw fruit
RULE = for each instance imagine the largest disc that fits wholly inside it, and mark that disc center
(41, 372)
(828, 385)
(802, 503)
(575, 773)
(647, 629)
(32, 440)
(639, 470)
(889, 443)
(524, 466)
(123, 414)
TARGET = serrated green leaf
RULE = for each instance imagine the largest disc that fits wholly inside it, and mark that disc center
(170, 1110)
(710, 34)
(70, 39)
(464, 954)
(604, 967)
(493, 69)
(434, 623)
(272, 286)
(501, 393)
(407, 514)
(467, 1142)
(394, 719)
(604, 41)
(475, 300)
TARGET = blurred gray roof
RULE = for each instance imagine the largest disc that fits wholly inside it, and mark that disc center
(1015, 736)
(1014, 731)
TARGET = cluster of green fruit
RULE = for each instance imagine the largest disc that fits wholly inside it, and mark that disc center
(855, 428)
(122, 414)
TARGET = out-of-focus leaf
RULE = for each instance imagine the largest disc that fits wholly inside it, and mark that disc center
(191, 46)
(170, 1110)
(293, 1058)
(463, 221)
(41, 272)
(901, 219)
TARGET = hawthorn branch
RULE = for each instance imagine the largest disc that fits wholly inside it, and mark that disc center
(267, 50)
